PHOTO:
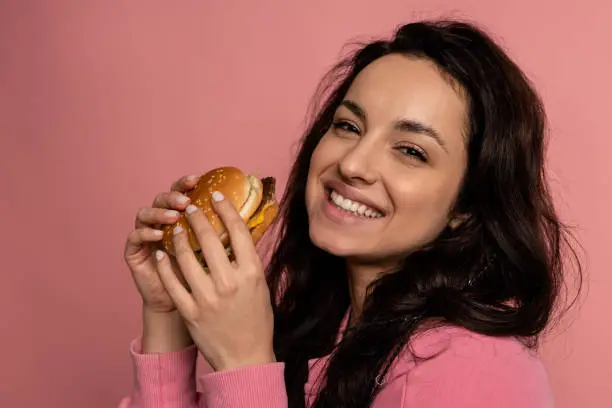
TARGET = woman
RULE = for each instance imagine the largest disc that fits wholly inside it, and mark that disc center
(419, 257)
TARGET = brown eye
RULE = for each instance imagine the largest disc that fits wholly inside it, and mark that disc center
(345, 126)
(412, 151)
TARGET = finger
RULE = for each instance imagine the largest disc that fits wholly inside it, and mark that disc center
(240, 237)
(148, 216)
(199, 281)
(139, 236)
(178, 273)
(185, 183)
(184, 302)
(208, 238)
(171, 200)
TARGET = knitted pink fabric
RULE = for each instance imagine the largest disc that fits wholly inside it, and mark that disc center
(469, 371)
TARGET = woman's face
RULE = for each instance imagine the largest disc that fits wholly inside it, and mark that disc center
(383, 179)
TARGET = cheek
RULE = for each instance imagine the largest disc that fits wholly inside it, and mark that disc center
(310, 193)
(325, 153)
(317, 166)
(423, 200)
(323, 158)
(423, 208)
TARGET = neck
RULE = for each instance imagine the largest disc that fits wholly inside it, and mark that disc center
(359, 277)
(357, 290)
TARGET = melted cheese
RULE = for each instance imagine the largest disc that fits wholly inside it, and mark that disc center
(255, 221)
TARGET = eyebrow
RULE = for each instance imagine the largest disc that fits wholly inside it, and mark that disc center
(403, 125)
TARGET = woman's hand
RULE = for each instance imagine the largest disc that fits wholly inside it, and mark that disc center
(228, 312)
(140, 245)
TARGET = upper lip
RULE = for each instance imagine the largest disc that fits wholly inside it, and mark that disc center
(347, 191)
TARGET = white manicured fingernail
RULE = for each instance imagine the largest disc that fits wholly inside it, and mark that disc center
(178, 229)
(191, 208)
(159, 255)
(182, 199)
(158, 233)
(217, 196)
(191, 178)
(171, 213)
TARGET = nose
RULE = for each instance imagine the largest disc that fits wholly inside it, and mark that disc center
(358, 165)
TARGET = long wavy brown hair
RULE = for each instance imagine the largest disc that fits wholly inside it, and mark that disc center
(501, 273)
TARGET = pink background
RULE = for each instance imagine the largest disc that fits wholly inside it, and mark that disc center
(103, 104)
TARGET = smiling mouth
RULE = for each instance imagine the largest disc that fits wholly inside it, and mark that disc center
(352, 207)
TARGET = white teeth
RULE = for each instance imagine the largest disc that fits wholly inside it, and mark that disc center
(361, 210)
(353, 206)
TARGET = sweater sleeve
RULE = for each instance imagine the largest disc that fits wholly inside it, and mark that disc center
(479, 372)
(163, 380)
(257, 386)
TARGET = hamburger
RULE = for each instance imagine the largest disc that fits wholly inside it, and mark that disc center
(253, 198)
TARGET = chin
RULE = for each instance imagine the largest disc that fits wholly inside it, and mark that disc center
(354, 250)
(335, 244)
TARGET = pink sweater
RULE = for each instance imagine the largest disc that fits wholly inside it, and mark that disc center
(473, 371)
